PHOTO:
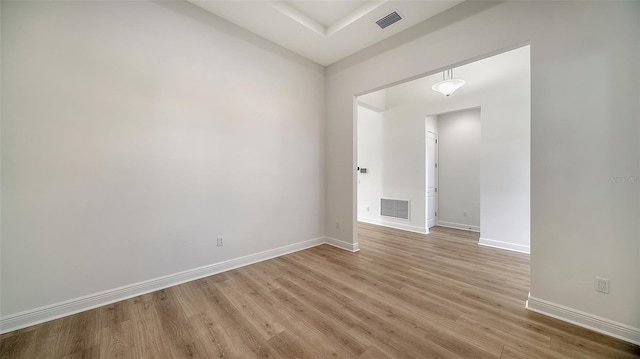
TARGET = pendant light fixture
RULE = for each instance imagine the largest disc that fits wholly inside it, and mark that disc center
(448, 84)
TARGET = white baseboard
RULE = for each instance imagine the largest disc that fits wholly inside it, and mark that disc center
(504, 245)
(402, 226)
(62, 309)
(462, 226)
(585, 320)
(347, 246)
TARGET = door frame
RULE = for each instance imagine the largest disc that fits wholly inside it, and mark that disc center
(431, 135)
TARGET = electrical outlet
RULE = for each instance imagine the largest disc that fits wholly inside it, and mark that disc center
(367, 209)
(338, 225)
(219, 241)
(602, 285)
(464, 213)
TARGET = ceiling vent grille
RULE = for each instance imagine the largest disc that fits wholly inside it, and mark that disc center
(389, 20)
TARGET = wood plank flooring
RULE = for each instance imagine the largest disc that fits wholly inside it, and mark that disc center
(403, 295)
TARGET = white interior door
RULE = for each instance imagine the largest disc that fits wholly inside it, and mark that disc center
(432, 178)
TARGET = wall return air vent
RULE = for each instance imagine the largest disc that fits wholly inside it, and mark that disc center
(389, 20)
(397, 208)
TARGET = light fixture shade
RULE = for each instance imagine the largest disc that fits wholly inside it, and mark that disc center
(447, 87)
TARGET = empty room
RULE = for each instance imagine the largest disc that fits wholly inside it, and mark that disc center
(187, 179)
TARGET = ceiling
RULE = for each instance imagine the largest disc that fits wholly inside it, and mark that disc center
(324, 31)
(481, 76)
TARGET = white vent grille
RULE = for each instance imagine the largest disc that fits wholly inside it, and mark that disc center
(397, 208)
(389, 20)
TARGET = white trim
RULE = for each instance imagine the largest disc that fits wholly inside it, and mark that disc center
(464, 227)
(62, 309)
(504, 245)
(585, 320)
(369, 107)
(347, 246)
(404, 227)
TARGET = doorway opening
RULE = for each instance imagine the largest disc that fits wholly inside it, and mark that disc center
(478, 181)
(452, 152)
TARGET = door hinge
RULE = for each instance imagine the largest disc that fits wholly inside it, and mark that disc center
(436, 189)
(436, 214)
(436, 165)
(436, 140)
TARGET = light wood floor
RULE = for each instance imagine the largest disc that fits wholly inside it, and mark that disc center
(403, 295)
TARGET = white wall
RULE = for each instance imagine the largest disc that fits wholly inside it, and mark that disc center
(584, 129)
(134, 133)
(505, 194)
(459, 169)
(370, 149)
(395, 175)
(404, 157)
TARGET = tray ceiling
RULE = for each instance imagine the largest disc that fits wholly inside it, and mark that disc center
(323, 31)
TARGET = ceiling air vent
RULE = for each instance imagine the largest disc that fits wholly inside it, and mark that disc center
(389, 20)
